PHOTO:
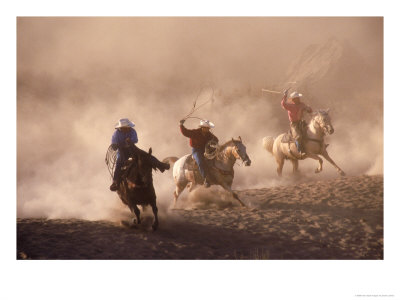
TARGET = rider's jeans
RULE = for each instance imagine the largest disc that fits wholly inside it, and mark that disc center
(198, 155)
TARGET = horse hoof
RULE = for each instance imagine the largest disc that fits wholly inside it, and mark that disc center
(154, 226)
(128, 224)
(342, 173)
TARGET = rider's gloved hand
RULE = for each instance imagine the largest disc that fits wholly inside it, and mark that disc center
(181, 122)
(285, 92)
(128, 142)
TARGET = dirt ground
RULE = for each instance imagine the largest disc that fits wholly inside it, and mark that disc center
(329, 219)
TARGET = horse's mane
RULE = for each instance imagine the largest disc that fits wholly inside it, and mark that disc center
(228, 143)
(321, 111)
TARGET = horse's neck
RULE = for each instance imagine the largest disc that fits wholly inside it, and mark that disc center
(314, 131)
(227, 159)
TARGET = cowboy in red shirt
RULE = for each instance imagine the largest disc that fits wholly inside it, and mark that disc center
(295, 113)
(198, 139)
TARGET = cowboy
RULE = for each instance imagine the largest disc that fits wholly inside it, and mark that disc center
(124, 140)
(198, 139)
(295, 113)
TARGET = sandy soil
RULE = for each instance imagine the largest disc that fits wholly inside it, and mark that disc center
(330, 219)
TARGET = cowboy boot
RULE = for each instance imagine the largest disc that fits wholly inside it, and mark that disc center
(114, 186)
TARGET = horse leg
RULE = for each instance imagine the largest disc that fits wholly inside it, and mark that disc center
(238, 199)
(280, 161)
(328, 158)
(295, 164)
(137, 213)
(234, 195)
(320, 161)
(155, 212)
(178, 190)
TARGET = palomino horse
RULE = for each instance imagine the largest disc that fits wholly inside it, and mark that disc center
(313, 144)
(185, 171)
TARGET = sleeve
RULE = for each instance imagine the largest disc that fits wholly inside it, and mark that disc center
(214, 137)
(306, 108)
(283, 103)
(114, 138)
(186, 132)
(133, 136)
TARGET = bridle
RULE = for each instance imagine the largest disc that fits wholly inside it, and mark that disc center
(237, 153)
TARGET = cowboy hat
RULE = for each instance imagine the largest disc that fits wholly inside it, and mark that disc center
(206, 123)
(124, 123)
(295, 95)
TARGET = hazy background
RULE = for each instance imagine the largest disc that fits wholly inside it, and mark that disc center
(78, 76)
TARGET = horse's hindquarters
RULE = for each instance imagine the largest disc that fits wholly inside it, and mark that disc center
(178, 171)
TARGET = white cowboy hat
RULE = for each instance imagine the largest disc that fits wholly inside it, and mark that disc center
(295, 95)
(206, 123)
(124, 123)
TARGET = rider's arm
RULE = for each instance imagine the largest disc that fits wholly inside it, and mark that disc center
(114, 140)
(186, 132)
(214, 137)
(284, 104)
(307, 108)
(133, 136)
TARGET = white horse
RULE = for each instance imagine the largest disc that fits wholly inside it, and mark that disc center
(186, 173)
(284, 147)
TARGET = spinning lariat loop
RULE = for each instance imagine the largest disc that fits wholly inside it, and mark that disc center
(194, 108)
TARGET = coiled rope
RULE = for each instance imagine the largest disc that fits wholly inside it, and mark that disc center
(111, 160)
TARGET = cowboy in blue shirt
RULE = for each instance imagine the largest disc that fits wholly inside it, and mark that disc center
(123, 140)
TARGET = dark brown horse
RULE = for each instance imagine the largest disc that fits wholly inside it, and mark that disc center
(137, 187)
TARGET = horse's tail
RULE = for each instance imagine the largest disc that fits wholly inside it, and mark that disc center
(170, 160)
(268, 142)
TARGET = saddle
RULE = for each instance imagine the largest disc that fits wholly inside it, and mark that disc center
(288, 137)
(209, 159)
(192, 166)
(209, 155)
(191, 163)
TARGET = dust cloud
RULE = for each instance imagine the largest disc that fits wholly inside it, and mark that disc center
(78, 76)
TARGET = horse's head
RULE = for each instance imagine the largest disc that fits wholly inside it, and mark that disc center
(239, 151)
(141, 170)
(323, 120)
